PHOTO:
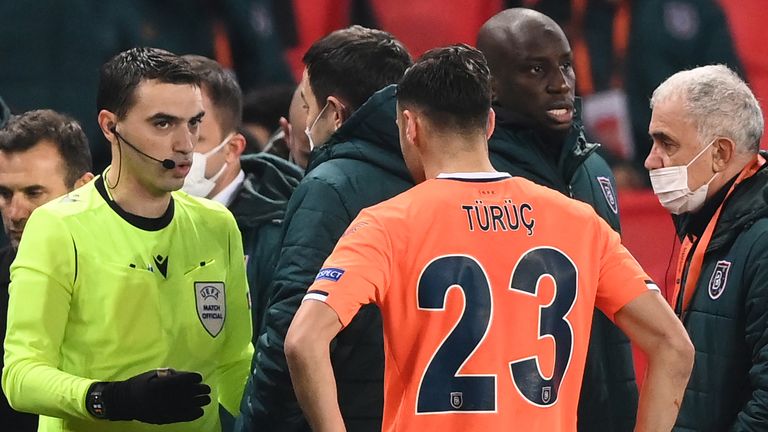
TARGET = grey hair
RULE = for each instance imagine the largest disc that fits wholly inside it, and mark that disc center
(718, 102)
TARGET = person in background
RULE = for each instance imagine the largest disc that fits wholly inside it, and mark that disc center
(539, 136)
(706, 168)
(43, 155)
(293, 131)
(262, 110)
(254, 187)
(355, 162)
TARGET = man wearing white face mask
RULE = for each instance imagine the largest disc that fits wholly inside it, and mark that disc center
(254, 187)
(706, 169)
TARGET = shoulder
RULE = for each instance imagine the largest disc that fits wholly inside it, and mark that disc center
(79, 201)
(201, 208)
(557, 201)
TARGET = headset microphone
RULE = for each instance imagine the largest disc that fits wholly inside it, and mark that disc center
(166, 163)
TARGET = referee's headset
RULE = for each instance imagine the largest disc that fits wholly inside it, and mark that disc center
(166, 163)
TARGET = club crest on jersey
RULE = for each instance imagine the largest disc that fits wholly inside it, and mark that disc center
(457, 399)
(546, 394)
(211, 301)
(610, 197)
(330, 273)
(719, 279)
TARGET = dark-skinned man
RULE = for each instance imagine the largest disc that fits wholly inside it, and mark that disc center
(539, 136)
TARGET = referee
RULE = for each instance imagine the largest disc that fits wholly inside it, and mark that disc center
(128, 301)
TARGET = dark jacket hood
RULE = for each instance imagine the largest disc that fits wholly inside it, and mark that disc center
(527, 155)
(263, 196)
(369, 135)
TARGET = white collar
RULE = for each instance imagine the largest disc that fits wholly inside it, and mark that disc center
(474, 175)
(226, 195)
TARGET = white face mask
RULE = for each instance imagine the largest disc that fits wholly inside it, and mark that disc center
(195, 183)
(671, 187)
(308, 129)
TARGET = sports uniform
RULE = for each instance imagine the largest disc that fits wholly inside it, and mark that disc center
(99, 294)
(487, 299)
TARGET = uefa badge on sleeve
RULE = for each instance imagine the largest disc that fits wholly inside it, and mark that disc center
(719, 279)
(211, 302)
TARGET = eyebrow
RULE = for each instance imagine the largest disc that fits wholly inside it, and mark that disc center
(172, 118)
(568, 54)
(662, 136)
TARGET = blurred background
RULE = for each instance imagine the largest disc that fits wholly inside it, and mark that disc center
(50, 52)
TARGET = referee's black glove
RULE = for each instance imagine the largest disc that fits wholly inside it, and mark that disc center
(158, 396)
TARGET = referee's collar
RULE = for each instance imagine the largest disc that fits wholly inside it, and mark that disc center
(140, 222)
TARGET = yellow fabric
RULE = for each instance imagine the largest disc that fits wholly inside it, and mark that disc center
(80, 312)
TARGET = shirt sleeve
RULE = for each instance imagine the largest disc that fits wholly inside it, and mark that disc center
(357, 272)
(238, 350)
(621, 278)
(43, 277)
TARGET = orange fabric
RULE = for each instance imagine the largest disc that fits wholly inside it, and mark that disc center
(696, 261)
(395, 254)
(747, 20)
(222, 49)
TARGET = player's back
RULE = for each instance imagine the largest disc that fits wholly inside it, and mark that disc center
(488, 308)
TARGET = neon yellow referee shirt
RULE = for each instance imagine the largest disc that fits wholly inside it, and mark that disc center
(98, 294)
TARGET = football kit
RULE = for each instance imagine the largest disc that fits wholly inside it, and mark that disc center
(98, 294)
(487, 286)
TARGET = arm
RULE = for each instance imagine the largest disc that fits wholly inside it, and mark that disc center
(40, 295)
(307, 352)
(653, 327)
(314, 221)
(236, 357)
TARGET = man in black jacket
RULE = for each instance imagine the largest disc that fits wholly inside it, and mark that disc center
(706, 169)
(539, 136)
(43, 155)
(355, 163)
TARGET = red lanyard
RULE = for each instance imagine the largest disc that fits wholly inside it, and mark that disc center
(694, 269)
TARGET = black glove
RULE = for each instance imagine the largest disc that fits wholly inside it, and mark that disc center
(158, 396)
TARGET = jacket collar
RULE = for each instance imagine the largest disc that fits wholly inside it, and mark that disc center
(747, 204)
(522, 145)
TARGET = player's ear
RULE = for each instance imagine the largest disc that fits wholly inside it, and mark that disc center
(411, 125)
(491, 126)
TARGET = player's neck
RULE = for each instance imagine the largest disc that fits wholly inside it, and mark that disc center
(134, 197)
(458, 158)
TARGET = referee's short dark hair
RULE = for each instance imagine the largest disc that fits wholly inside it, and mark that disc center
(124, 72)
(223, 89)
(24, 131)
(354, 63)
(451, 86)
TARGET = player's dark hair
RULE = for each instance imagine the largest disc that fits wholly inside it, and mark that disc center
(353, 63)
(24, 131)
(124, 72)
(223, 89)
(451, 86)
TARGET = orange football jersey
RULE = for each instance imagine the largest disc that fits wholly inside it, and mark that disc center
(487, 286)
